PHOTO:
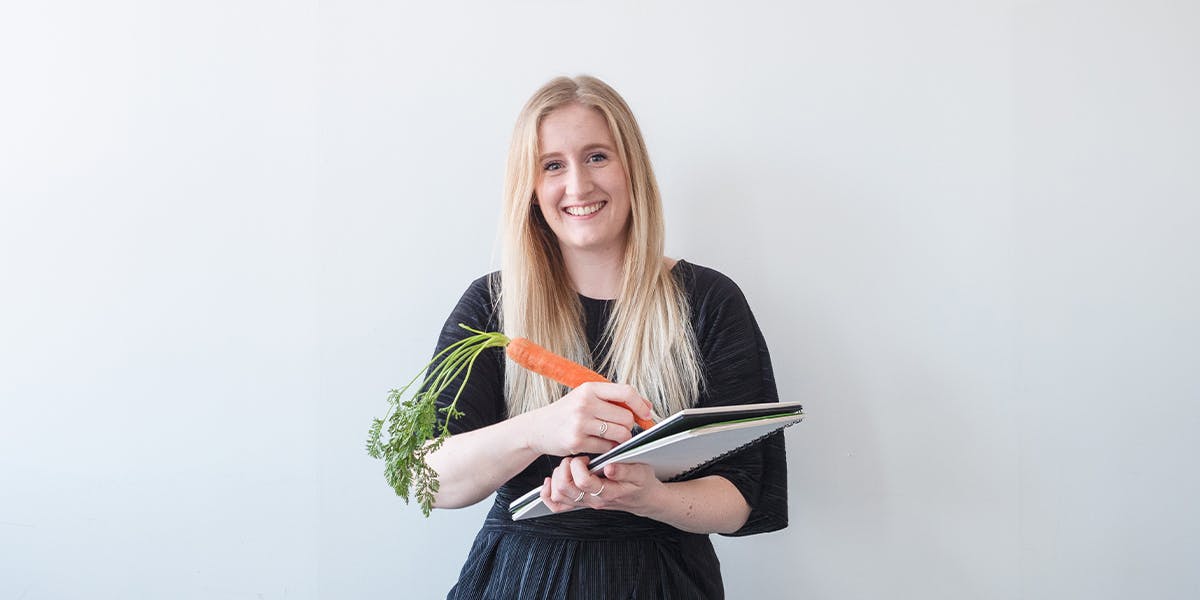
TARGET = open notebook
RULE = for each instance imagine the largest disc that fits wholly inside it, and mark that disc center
(683, 443)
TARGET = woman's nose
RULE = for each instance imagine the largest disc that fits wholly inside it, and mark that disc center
(579, 181)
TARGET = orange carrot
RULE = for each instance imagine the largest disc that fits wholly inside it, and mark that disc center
(414, 429)
(546, 363)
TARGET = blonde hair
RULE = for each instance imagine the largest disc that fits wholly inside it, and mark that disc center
(651, 343)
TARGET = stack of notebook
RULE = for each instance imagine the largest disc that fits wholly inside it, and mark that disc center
(685, 442)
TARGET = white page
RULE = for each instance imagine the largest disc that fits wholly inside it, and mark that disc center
(677, 454)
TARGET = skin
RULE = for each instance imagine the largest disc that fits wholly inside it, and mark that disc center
(579, 166)
(474, 464)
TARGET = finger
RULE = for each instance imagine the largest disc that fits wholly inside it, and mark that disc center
(582, 478)
(624, 394)
(630, 472)
(588, 441)
(616, 414)
(559, 480)
(614, 472)
(548, 501)
(563, 490)
(608, 430)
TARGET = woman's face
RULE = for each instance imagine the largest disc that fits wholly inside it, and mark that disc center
(582, 189)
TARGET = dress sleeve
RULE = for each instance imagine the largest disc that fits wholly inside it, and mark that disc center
(738, 371)
(482, 400)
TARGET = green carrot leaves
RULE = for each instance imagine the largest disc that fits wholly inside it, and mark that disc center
(411, 423)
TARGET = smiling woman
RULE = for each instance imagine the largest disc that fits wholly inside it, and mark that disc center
(585, 276)
(582, 189)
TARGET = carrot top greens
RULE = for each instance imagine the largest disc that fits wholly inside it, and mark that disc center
(411, 423)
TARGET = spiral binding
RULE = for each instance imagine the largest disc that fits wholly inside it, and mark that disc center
(692, 471)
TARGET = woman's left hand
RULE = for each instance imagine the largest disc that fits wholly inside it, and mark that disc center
(629, 487)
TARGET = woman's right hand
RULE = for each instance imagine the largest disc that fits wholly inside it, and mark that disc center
(592, 418)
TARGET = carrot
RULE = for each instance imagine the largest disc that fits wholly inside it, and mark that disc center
(412, 422)
(546, 363)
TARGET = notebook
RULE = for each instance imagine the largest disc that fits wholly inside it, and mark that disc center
(685, 442)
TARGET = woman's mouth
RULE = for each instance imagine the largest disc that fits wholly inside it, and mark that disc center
(586, 210)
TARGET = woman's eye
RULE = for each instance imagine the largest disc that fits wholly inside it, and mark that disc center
(553, 165)
(597, 157)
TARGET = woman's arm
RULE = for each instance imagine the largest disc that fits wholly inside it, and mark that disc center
(473, 464)
(706, 505)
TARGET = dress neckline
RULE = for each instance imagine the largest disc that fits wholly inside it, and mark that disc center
(606, 301)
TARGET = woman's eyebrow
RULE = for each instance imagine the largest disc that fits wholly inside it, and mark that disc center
(600, 145)
(587, 148)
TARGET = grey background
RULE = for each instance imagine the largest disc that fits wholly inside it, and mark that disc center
(968, 231)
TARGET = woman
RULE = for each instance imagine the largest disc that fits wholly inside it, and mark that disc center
(584, 275)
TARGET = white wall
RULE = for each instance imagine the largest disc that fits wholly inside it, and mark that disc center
(967, 229)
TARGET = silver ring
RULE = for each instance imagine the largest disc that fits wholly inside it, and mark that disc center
(580, 496)
(603, 427)
(599, 491)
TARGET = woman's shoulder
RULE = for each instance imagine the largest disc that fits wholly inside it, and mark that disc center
(479, 301)
(484, 286)
(707, 286)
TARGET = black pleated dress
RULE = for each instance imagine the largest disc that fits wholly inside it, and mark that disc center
(598, 554)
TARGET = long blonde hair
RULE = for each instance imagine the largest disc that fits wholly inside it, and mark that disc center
(651, 343)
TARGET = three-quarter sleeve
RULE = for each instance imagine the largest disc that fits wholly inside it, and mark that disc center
(738, 371)
(482, 400)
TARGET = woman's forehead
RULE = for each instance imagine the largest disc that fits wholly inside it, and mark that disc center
(573, 127)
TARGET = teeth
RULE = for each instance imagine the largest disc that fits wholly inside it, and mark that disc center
(583, 211)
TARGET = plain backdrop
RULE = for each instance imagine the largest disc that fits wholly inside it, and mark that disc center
(968, 231)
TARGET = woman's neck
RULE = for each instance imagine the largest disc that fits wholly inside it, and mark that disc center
(595, 275)
(599, 276)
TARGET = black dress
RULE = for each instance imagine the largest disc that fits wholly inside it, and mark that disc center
(592, 554)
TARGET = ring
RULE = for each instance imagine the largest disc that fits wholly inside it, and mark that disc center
(599, 491)
(603, 427)
(580, 496)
